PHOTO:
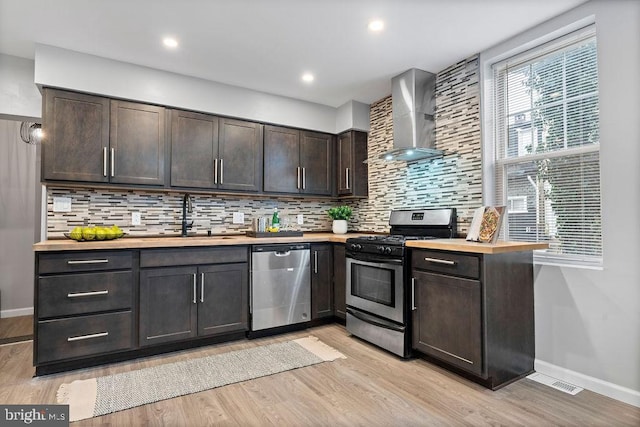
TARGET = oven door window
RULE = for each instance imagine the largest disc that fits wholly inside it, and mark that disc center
(373, 284)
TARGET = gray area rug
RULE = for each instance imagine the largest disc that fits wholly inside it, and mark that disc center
(112, 393)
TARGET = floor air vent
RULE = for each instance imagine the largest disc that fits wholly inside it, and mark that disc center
(555, 383)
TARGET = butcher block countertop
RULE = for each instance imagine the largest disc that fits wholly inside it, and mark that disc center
(461, 245)
(458, 245)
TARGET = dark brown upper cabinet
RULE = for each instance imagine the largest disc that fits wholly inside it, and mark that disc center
(352, 174)
(93, 139)
(75, 140)
(215, 153)
(137, 143)
(297, 161)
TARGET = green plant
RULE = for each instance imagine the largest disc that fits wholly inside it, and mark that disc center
(340, 212)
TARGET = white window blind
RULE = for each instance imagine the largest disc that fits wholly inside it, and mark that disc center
(547, 145)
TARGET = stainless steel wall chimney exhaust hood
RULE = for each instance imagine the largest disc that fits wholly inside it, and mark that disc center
(413, 101)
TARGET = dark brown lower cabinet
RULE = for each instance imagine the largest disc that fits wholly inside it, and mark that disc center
(339, 281)
(474, 312)
(182, 302)
(321, 283)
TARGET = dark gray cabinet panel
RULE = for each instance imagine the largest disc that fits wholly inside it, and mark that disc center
(321, 283)
(194, 149)
(240, 167)
(316, 161)
(339, 281)
(76, 137)
(281, 160)
(352, 173)
(447, 323)
(168, 310)
(137, 143)
(223, 301)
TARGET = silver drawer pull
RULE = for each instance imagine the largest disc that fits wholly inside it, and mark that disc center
(87, 294)
(87, 337)
(440, 261)
(88, 261)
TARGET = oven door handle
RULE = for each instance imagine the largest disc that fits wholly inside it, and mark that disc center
(370, 259)
(374, 321)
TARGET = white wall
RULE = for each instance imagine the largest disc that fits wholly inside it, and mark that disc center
(19, 96)
(87, 73)
(588, 321)
(17, 220)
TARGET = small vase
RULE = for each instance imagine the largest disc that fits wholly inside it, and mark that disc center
(339, 226)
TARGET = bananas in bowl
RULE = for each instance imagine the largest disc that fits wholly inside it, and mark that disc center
(83, 234)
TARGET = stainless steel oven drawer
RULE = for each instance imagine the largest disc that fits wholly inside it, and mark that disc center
(446, 262)
(378, 331)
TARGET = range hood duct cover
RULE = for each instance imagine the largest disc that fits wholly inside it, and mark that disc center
(413, 102)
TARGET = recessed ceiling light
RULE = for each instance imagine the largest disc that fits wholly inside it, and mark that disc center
(376, 25)
(307, 77)
(170, 42)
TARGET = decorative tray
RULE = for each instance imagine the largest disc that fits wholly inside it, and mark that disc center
(259, 234)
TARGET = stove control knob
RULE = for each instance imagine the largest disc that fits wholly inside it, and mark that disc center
(387, 250)
(356, 246)
(380, 249)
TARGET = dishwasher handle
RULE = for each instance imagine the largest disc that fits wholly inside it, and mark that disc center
(282, 253)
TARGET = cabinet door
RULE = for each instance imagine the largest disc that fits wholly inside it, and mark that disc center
(194, 149)
(168, 310)
(345, 166)
(321, 286)
(137, 142)
(316, 161)
(75, 137)
(223, 299)
(281, 160)
(240, 155)
(339, 281)
(447, 322)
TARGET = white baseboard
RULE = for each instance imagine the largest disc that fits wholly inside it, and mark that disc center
(614, 391)
(16, 312)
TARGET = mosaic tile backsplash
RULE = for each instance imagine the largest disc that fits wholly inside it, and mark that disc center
(452, 181)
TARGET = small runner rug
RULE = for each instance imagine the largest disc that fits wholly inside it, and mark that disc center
(112, 393)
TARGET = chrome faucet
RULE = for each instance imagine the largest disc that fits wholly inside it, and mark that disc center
(187, 206)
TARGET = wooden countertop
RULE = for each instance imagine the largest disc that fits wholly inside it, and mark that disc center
(458, 245)
(177, 241)
(461, 245)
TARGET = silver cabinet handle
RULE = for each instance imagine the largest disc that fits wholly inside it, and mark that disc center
(221, 171)
(87, 294)
(113, 162)
(440, 261)
(304, 178)
(104, 160)
(346, 172)
(201, 287)
(298, 176)
(88, 261)
(315, 262)
(194, 288)
(215, 171)
(413, 294)
(87, 337)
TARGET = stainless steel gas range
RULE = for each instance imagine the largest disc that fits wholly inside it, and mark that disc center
(378, 290)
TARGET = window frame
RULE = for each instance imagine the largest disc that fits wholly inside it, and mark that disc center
(495, 167)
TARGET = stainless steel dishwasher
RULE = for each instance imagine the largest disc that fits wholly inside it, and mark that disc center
(280, 285)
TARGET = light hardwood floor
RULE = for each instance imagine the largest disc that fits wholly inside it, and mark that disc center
(369, 388)
(18, 328)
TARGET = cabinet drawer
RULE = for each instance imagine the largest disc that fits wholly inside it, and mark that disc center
(67, 262)
(84, 293)
(189, 256)
(84, 336)
(446, 262)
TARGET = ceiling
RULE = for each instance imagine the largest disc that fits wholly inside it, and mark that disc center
(267, 45)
